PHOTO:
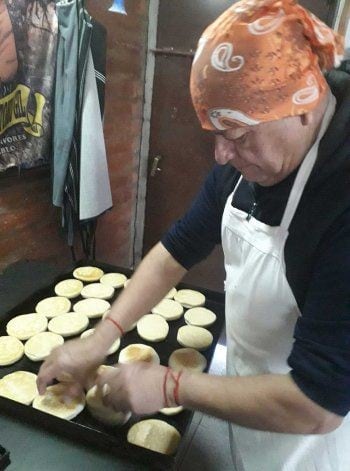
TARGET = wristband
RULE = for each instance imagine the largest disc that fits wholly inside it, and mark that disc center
(166, 403)
(116, 324)
(176, 389)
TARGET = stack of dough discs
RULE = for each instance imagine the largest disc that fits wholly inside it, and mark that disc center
(153, 328)
(112, 349)
(68, 324)
(116, 280)
(54, 306)
(19, 386)
(97, 290)
(171, 293)
(187, 359)
(99, 411)
(190, 298)
(11, 350)
(171, 410)
(39, 347)
(138, 352)
(53, 402)
(88, 274)
(169, 309)
(27, 325)
(155, 435)
(200, 316)
(194, 337)
(92, 307)
(69, 288)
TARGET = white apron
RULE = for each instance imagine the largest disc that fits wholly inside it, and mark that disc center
(261, 313)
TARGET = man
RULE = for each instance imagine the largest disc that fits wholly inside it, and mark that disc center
(280, 205)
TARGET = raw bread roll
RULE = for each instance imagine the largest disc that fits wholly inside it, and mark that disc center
(11, 350)
(153, 328)
(25, 326)
(53, 402)
(155, 435)
(138, 352)
(69, 288)
(19, 386)
(114, 347)
(39, 347)
(171, 293)
(54, 306)
(169, 309)
(102, 413)
(190, 298)
(68, 324)
(97, 290)
(187, 359)
(171, 410)
(88, 274)
(194, 337)
(200, 317)
(116, 280)
(92, 307)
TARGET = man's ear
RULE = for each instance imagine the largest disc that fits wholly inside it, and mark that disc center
(306, 119)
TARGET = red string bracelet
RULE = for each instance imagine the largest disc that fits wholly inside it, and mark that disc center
(116, 324)
(176, 389)
(164, 387)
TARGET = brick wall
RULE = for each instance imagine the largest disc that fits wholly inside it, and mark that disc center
(29, 225)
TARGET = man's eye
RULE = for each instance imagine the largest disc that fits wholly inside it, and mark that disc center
(241, 139)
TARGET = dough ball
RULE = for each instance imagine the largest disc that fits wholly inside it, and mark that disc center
(169, 309)
(69, 288)
(92, 307)
(88, 274)
(97, 290)
(187, 359)
(200, 317)
(11, 350)
(194, 337)
(116, 280)
(27, 325)
(171, 293)
(153, 328)
(52, 402)
(155, 435)
(54, 306)
(138, 352)
(19, 386)
(102, 413)
(68, 324)
(39, 347)
(190, 298)
(171, 410)
(114, 347)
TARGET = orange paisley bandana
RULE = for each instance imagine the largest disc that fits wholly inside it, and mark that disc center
(262, 60)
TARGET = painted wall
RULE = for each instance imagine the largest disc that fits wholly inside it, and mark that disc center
(29, 225)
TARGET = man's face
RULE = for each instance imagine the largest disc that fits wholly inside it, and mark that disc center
(266, 153)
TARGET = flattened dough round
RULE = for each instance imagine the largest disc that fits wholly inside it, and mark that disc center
(155, 435)
(190, 298)
(19, 386)
(169, 309)
(88, 274)
(153, 328)
(116, 280)
(114, 346)
(39, 347)
(92, 307)
(52, 402)
(188, 359)
(53, 306)
(171, 293)
(11, 350)
(138, 352)
(171, 410)
(200, 317)
(25, 326)
(97, 290)
(99, 411)
(69, 288)
(194, 337)
(68, 324)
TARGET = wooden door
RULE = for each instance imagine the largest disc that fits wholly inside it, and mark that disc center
(185, 150)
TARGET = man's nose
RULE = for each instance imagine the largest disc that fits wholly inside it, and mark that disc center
(224, 150)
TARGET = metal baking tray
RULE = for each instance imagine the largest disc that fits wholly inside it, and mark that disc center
(84, 428)
(4, 458)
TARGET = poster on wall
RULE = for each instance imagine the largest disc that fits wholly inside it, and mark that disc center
(28, 40)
